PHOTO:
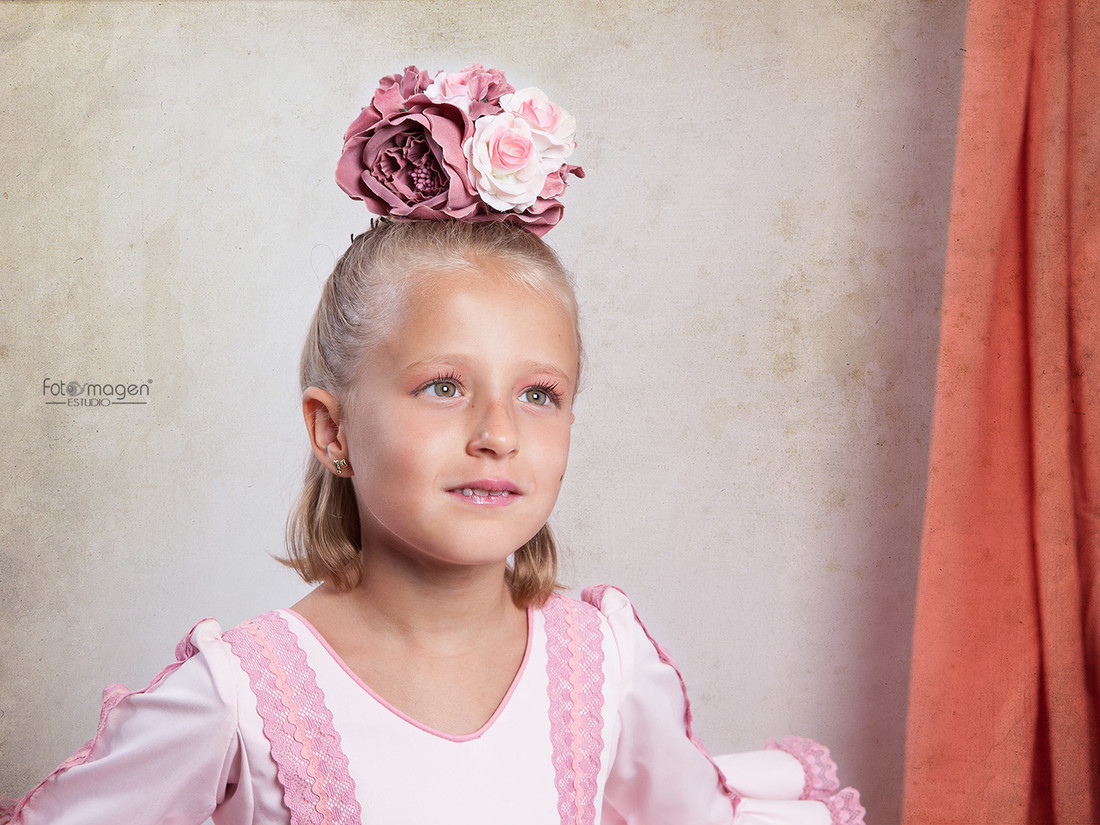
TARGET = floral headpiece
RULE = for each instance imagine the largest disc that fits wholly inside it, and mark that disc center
(465, 146)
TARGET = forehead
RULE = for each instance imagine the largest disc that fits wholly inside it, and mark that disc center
(480, 309)
(421, 280)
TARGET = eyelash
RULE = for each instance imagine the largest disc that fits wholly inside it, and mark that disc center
(551, 391)
(449, 377)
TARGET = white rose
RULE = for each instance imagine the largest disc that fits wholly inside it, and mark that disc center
(552, 128)
(506, 166)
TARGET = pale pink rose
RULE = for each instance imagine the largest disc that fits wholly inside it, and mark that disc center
(475, 90)
(450, 88)
(552, 128)
(505, 165)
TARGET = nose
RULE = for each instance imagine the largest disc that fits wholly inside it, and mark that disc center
(493, 432)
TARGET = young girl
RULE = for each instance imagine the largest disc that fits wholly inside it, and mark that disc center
(435, 674)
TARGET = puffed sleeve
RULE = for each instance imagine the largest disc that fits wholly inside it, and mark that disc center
(167, 754)
(661, 773)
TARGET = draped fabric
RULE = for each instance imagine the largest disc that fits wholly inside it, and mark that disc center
(1003, 699)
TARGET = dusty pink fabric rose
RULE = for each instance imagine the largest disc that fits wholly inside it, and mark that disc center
(390, 96)
(403, 155)
(485, 88)
(556, 181)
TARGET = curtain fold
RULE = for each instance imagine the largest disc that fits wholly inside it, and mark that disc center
(1003, 697)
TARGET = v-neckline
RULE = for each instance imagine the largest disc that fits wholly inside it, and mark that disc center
(450, 737)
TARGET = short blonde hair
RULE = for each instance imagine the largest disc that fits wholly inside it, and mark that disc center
(323, 531)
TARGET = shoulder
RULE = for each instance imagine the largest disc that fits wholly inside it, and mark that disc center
(605, 617)
(204, 677)
(607, 598)
(206, 641)
(622, 620)
(600, 608)
(228, 660)
(201, 657)
(267, 645)
(272, 624)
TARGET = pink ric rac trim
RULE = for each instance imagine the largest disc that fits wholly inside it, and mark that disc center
(574, 653)
(113, 695)
(594, 596)
(312, 767)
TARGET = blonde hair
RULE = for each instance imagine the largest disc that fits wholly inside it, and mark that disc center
(358, 299)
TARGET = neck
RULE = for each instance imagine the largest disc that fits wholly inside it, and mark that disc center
(441, 603)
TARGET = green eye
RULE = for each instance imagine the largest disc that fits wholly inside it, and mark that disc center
(443, 389)
(537, 395)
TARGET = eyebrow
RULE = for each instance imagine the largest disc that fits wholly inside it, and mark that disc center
(453, 358)
(537, 366)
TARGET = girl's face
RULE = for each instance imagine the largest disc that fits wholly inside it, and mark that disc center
(458, 421)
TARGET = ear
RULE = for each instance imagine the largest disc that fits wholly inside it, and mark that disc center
(322, 414)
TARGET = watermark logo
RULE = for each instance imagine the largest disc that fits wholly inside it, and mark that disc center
(93, 394)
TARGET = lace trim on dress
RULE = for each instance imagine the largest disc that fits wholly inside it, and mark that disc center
(312, 768)
(817, 764)
(821, 779)
(574, 653)
(845, 808)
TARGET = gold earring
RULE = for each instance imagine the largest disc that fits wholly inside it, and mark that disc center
(340, 464)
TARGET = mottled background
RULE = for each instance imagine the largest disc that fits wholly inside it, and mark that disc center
(758, 247)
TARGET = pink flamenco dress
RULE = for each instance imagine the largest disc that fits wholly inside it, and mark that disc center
(265, 724)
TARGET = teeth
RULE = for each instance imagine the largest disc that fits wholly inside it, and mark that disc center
(474, 491)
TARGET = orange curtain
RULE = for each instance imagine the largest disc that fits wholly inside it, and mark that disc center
(1003, 698)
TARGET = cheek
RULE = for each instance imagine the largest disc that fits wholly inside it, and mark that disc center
(554, 449)
(390, 477)
(405, 453)
(382, 458)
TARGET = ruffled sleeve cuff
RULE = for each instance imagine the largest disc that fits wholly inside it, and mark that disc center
(818, 766)
(794, 780)
(821, 781)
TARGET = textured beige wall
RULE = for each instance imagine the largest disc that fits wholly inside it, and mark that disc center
(758, 245)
